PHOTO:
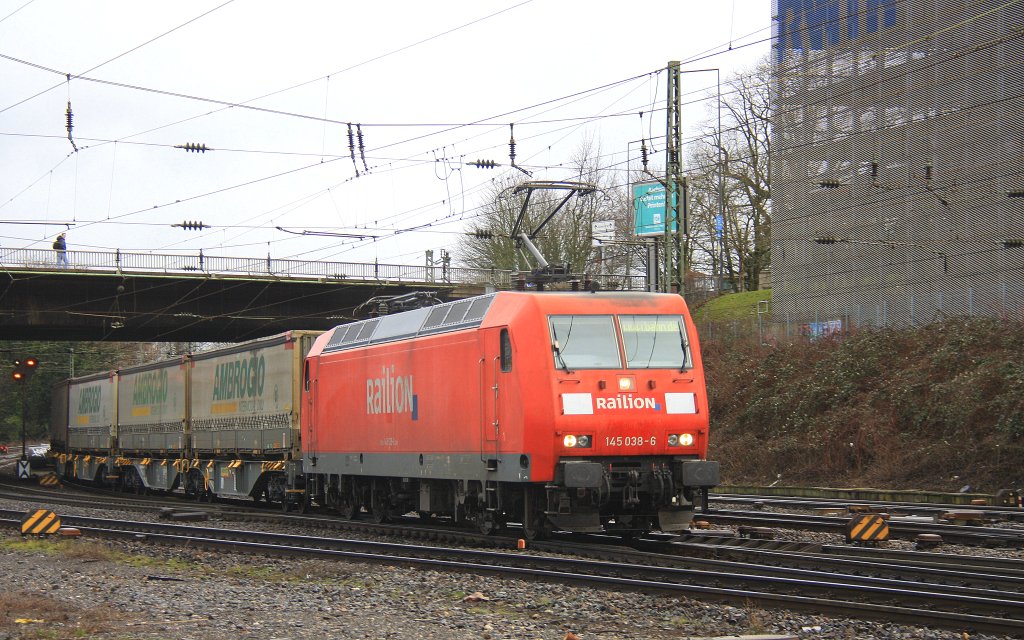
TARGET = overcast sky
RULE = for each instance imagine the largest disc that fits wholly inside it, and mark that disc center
(271, 88)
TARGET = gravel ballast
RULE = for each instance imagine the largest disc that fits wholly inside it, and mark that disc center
(77, 588)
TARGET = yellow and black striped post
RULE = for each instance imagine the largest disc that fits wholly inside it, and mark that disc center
(40, 522)
(867, 527)
(49, 479)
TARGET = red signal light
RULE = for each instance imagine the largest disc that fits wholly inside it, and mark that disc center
(24, 368)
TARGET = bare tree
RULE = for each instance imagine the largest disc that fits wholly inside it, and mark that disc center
(565, 238)
(731, 165)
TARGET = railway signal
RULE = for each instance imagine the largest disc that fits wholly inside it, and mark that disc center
(24, 368)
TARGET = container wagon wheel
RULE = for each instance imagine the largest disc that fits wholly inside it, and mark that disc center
(305, 503)
(195, 487)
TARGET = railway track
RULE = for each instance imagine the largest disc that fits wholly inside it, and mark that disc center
(933, 510)
(907, 528)
(949, 606)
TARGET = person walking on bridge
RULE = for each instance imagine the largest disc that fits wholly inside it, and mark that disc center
(61, 247)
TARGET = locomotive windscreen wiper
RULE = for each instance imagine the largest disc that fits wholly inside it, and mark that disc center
(684, 347)
(557, 349)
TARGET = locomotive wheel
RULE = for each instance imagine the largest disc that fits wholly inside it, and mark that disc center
(487, 523)
(380, 510)
(535, 523)
(348, 508)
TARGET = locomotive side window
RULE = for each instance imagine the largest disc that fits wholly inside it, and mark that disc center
(584, 342)
(305, 375)
(655, 342)
(506, 351)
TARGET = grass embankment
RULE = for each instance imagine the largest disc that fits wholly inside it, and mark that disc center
(937, 407)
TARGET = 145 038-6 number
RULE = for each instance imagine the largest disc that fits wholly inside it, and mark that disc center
(629, 441)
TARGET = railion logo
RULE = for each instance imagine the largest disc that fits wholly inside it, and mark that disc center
(391, 394)
(627, 402)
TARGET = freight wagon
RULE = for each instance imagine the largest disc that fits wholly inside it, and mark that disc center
(221, 423)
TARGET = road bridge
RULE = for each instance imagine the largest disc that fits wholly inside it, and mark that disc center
(192, 297)
(132, 296)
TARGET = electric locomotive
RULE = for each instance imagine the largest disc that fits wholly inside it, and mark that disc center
(555, 410)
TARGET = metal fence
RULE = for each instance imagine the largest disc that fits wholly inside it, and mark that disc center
(149, 263)
(897, 161)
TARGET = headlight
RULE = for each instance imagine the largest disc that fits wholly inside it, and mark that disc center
(680, 439)
(576, 442)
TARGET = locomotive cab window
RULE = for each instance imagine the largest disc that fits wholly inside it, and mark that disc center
(506, 351)
(655, 342)
(584, 342)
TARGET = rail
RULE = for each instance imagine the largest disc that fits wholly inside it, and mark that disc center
(195, 263)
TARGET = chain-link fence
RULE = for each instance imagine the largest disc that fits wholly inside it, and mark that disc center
(897, 161)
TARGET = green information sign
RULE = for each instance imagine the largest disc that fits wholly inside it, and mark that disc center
(649, 209)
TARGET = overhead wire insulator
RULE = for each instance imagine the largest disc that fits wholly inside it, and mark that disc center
(70, 125)
(512, 144)
(483, 164)
(483, 234)
(192, 225)
(512, 149)
(193, 147)
(362, 149)
(643, 153)
(352, 149)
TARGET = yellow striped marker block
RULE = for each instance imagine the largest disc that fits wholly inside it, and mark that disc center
(40, 522)
(867, 527)
(49, 479)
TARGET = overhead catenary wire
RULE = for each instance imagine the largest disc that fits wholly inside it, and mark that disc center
(366, 167)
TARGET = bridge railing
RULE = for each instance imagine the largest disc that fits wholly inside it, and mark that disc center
(140, 262)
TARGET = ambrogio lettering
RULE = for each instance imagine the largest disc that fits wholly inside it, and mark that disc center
(243, 378)
(150, 388)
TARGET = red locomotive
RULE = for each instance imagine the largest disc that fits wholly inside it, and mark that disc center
(576, 411)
